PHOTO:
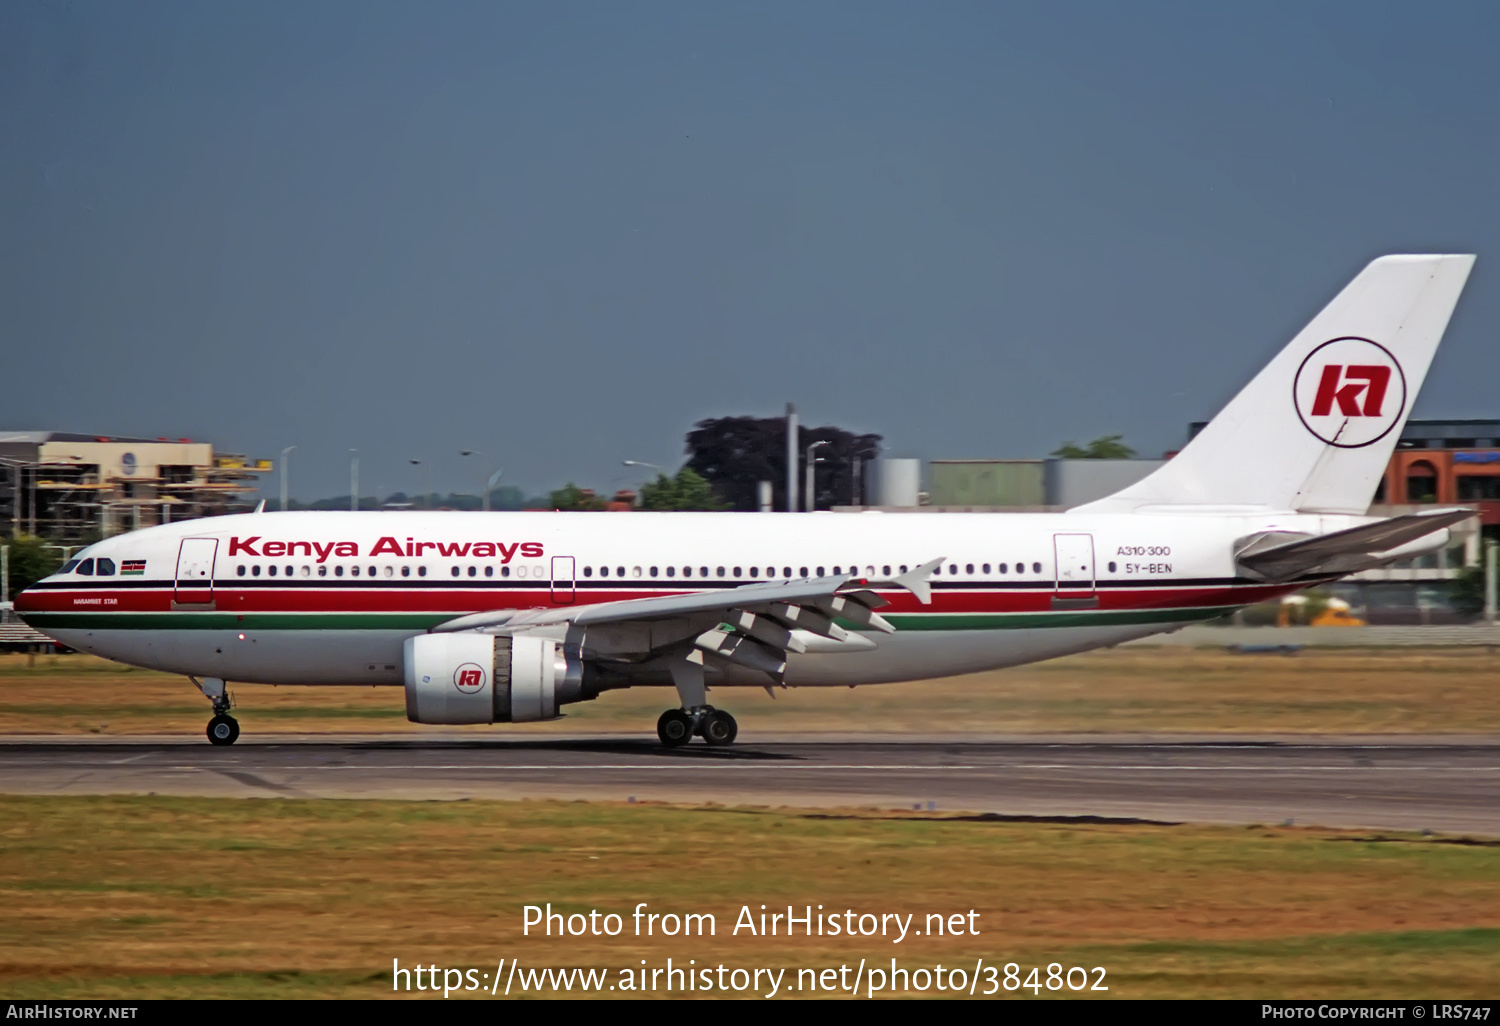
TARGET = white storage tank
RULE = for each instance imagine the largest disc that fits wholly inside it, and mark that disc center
(894, 482)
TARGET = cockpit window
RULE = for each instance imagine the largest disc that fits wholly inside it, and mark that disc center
(86, 568)
(104, 567)
(67, 567)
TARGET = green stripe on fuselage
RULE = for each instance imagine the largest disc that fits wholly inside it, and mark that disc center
(213, 621)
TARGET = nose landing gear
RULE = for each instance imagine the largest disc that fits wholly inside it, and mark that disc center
(223, 729)
(678, 726)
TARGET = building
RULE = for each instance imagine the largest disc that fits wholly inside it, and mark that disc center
(74, 487)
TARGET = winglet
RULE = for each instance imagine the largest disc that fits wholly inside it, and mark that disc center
(260, 507)
(916, 580)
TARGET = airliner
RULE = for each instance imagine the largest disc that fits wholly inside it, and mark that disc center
(489, 618)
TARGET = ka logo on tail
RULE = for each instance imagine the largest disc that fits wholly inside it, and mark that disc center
(1350, 392)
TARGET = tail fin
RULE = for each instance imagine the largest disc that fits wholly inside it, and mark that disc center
(1314, 430)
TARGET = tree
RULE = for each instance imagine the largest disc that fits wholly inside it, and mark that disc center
(687, 491)
(1107, 448)
(1466, 592)
(31, 559)
(735, 454)
(571, 497)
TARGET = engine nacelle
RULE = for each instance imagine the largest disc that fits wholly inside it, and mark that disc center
(485, 678)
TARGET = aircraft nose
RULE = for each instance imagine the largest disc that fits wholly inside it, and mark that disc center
(27, 602)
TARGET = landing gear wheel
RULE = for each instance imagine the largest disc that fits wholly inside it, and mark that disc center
(719, 729)
(675, 728)
(223, 730)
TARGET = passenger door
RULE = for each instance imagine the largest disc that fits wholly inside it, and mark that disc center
(195, 572)
(563, 570)
(1074, 560)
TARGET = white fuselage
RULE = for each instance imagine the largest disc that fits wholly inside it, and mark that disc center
(329, 598)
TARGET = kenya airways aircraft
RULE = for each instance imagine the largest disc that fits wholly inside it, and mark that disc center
(509, 617)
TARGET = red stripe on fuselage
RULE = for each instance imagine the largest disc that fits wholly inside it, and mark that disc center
(458, 599)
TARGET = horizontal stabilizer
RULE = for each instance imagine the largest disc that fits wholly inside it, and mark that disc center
(1269, 557)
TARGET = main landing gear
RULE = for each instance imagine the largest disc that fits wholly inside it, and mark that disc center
(678, 726)
(223, 729)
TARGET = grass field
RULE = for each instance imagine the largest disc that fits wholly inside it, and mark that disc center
(1146, 690)
(137, 897)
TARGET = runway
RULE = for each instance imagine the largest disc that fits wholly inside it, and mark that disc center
(1444, 785)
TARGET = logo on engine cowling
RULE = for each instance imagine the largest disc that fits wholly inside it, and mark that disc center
(1350, 392)
(469, 678)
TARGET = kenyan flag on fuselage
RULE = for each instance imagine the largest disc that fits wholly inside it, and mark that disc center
(133, 568)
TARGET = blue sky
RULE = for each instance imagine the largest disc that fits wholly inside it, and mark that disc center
(560, 233)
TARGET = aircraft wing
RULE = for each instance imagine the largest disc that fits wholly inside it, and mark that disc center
(752, 625)
(1272, 557)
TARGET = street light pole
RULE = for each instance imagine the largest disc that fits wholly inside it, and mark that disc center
(484, 499)
(792, 438)
(354, 480)
(812, 499)
(489, 486)
(285, 453)
(418, 463)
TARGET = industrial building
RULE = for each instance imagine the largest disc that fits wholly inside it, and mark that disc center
(72, 488)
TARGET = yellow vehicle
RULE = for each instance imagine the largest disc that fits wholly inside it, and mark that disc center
(1335, 612)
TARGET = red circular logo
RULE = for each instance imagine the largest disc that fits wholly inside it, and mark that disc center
(1350, 392)
(469, 678)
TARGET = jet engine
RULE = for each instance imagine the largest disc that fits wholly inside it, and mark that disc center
(487, 678)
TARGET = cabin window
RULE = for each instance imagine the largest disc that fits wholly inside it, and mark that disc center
(86, 568)
(671, 570)
(338, 571)
(288, 571)
(254, 570)
(306, 570)
(505, 571)
(653, 571)
(489, 571)
(473, 571)
(406, 571)
(588, 571)
(820, 571)
(886, 571)
(455, 571)
(322, 571)
(421, 571)
(969, 569)
(703, 572)
(1004, 568)
(390, 571)
(620, 571)
(952, 569)
(984, 567)
(837, 571)
(754, 571)
(104, 567)
(603, 571)
(903, 568)
(721, 571)
(1036, 568)
(737, 571)
(1020, 568)
(240, 570)
(372, 571)
(786, 571)
(271, 571)
(687, 571)
(1111, 568)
